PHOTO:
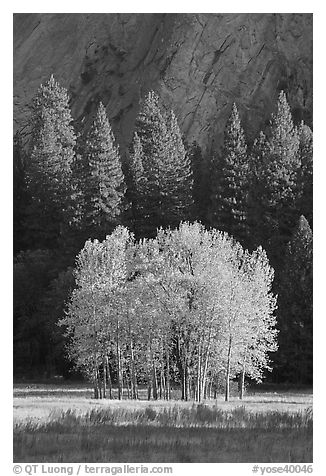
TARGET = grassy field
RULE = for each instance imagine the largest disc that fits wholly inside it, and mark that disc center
(64, 424)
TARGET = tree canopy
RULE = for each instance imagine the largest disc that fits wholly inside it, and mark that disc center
(190, 298)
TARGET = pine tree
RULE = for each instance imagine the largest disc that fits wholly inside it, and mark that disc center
(103, 180)
(51, 155)
(294, 359)
(305, 176)
(280, 180)
(284, 141)
(230, 181)
(282, 164)
(281, 183)
(177, 189)
(137, 184)
(150, 129)
(256, 189)
(166, 168)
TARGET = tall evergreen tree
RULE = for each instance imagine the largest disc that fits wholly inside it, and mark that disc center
(230, 187)
(177, 183)
(51, 154)
(284, 144)
(280, 179)
(305, 178)
(257, 225)
(151, 130)
(103, 180)
(137, 184)
(294, 359)
(166, 167)
(280, 187)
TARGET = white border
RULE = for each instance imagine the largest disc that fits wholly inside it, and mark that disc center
(319, 195)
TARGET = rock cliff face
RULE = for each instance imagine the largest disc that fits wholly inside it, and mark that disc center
(199, 64)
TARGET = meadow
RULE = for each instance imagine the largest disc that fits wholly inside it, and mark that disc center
(63, 423)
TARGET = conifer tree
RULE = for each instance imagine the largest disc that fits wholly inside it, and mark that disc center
(256, 188)
(230, 181)
(166, 168)
(284, 139)
(280, 180)
(151, 130)
(103, 181)
(294, 360)
(49, 167)
(305, 194)
(137, 184)
(283, 163)
(177, 183)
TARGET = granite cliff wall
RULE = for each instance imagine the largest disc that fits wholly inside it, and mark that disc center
(199, 64)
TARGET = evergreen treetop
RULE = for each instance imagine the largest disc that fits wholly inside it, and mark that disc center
(51, 104)
(104, 186)
(166, 167)
(229, 192)
(137, 182)
(283, 164)
(51, 154)
(305, 175)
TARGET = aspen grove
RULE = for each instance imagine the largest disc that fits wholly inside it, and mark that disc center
(190, 306)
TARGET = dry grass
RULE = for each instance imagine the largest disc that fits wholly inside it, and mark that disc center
(65, 425)
(36, 402)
